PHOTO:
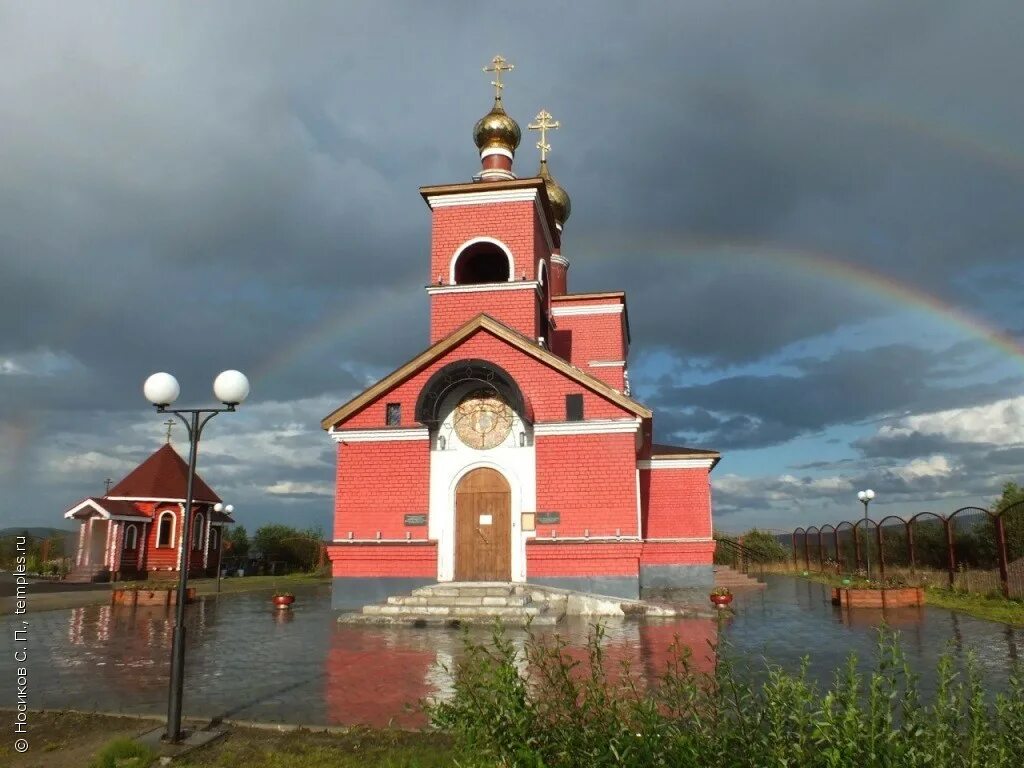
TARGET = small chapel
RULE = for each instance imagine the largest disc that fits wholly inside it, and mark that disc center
(133, 531)
(512, 448)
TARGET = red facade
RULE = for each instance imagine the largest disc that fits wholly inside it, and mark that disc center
(135, 530)
(526, 379)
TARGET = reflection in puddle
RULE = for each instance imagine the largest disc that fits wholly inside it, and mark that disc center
(250, 662)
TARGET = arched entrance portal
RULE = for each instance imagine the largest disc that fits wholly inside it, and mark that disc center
(483, 527)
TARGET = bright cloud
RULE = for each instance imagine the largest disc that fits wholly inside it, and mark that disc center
(998, 423)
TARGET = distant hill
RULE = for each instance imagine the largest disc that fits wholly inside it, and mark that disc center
(37, 532)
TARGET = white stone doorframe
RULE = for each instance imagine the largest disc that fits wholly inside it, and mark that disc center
(446, 539)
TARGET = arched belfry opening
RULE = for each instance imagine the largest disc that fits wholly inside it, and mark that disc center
(482, 262)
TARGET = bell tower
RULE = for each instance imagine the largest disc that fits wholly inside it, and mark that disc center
(492, 238)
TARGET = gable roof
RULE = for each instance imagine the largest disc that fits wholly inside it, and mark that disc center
(108, 508)
(502, 331)
(164, 475)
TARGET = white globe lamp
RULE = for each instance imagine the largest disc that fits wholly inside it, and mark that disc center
(229, 508)
(861, 495)
(218, 507)
(161, 389)
(231, 387)
(869, 494)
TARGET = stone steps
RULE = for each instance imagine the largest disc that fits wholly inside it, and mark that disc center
(87, 574)
(727, 577)
(455, 603)
(507, 601)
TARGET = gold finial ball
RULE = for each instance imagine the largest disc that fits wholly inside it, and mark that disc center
(497, 129)
(560, 203)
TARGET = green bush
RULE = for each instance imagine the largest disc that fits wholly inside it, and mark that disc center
(538, 708)
(123, 753)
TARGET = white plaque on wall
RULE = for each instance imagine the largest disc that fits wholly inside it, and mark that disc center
(485, 519)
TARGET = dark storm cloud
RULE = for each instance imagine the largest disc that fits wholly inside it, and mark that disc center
(194, 188)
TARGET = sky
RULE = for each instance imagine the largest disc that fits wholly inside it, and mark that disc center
(814, 208)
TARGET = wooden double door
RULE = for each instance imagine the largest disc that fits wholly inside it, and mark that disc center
(483, 527)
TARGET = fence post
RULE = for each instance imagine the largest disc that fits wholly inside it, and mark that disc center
(821, 552)
(881, 555)
(910, 547)
(794, 550)
(950, 552)
(807, 553)
(856, 548)
(1004, 576)
(839, 558)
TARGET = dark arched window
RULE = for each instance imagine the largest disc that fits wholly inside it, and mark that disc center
(165, 530)
(482, 263)
(197, 531)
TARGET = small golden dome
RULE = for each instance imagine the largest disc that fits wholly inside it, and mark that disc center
(556, 194)
(496, 129)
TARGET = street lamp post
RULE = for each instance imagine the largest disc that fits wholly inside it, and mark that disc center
(865, 499)
(161, 389)
(229, 508)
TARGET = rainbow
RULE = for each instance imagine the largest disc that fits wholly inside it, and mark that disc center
(354, 317)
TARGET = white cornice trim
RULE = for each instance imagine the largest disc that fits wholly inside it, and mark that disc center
(395, 434)
(593, 427)
(482, 198)
(557, 258)
(675, 464)
(607, 363)
(589, 309)
(433, 290)
(696, 540)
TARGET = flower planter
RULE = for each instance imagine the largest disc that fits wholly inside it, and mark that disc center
(283, 601)
(144, 597)
(900, 597)
(721, 600)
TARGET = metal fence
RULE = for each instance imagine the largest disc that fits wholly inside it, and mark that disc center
(973, 548)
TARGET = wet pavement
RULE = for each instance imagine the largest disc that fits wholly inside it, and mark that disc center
(248, 662)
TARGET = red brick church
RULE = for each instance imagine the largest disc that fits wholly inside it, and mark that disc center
(511, 449)
(134, 530)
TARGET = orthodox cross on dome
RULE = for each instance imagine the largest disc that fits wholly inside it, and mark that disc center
(170, 425)
(544, 124)
(109, 482)
(498, 65)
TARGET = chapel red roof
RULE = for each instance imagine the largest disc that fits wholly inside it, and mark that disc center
(164, 475)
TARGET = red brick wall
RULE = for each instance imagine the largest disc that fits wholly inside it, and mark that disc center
(583, 339)
(590, 480)
(542, 385)
(405, 560)
(514, 224)
(677, 553)
(582, 559)
(676, 503)
(377, 485)
(517, 309)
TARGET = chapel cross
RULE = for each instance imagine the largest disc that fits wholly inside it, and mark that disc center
(108, 481)
(170, 424)
(498, 65)
(543, 124)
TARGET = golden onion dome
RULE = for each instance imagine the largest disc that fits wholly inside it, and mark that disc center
(496, 129)
(559, 198)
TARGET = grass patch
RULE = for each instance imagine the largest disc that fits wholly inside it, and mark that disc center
(123, 753)
(365, 748)
(984, 607)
